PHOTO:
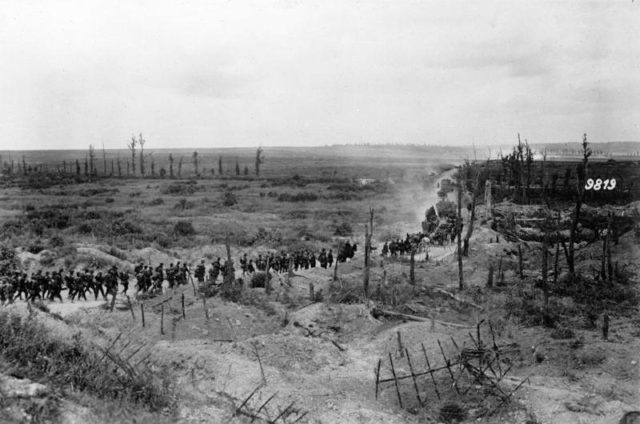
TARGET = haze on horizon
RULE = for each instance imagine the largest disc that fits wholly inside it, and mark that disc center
(212, 73)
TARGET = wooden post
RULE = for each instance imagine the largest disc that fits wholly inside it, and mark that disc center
(204, 306)
(400, 348)
(335, 271)
(162, 319)
(520, 264)
(490, 276)
(459, 231)
(131, 308)
(184, 316)
(311, 292)
(378, 376)
(267, 283)
(113, 301)
(395, 380)
(426, 358)
(412, 272)
(413, 376)
(142, 313)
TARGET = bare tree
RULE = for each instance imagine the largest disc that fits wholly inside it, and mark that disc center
(141, 142)
(132, 146)
(153, 166)
(195, 161)
(104, 160)
(237, 167)
(475, 187)
(220, 166)
(459, 231)
(582, 177)
(170, 165)
(180, 167)
(259, 160)
(92, 159)
(368, 234)
(77, 168)
(119, 167)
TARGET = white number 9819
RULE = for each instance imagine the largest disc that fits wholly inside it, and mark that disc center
(600, 185)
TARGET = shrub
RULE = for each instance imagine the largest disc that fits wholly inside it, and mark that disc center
(109, 200)
(343, 230)
(180, 188)
(85, 228)
(32, 351)
(8, 260)
(184, 204)
(298, 197)
(229, 199)
(35, 247)
(184, 228)
(157, 201)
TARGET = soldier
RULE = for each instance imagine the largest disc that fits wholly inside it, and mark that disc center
(243, 264)
(322, 258)
(200, 272)
(124, 280)
(171, 276)
(56, 286)
(330, 258)
(98, 281)
(250, 268)
(385, 249)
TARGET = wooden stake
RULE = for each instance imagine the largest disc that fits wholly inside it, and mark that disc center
(142, 313)
(131, 308)
(378, 376)
(448, 363)
(184, 316)
(426, 358)
(413, 376)
(204, 307)
(395, 379)
(400, 345)
(162, 319)
(264, 379)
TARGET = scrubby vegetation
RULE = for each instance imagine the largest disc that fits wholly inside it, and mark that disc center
(31, 350)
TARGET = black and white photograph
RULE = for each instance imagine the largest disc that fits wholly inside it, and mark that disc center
(320, 212)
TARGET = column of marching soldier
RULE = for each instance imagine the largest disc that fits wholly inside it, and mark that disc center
(49, 285)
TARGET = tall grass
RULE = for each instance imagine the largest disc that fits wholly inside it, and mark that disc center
(30, 349)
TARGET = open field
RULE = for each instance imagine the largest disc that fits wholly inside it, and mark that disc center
(316, 342)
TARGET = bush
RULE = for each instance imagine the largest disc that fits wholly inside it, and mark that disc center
(180, 188)
(184, 204)
(298, 197)
(343, 230)
(32, 351)
(184, 228)
(157, 201)
(8, 260)
(229, 199)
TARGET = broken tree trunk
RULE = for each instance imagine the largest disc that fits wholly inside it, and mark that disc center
(457, 298)
(459, 231)
(412, 272)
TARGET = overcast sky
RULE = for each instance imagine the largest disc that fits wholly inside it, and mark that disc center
(285, 72)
